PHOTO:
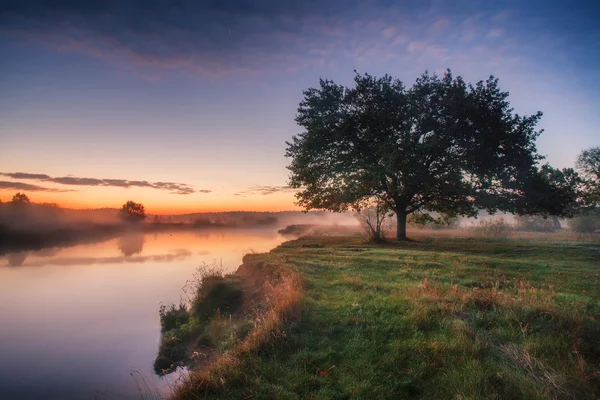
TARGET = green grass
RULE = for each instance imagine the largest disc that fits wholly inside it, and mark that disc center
(204, 324)
(434, 319)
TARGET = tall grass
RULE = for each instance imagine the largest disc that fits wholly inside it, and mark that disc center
(225, 317)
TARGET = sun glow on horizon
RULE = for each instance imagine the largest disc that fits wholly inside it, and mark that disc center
(160, 203)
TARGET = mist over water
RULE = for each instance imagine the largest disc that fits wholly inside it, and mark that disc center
(77, 320)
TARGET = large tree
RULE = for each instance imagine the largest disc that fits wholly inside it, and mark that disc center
(441, 146)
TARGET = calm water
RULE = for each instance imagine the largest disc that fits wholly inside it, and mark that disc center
(76, 322)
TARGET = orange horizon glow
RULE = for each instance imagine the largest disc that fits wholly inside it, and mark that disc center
(161, 203)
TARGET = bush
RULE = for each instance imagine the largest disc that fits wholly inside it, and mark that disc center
(172, 317)
(171, 354)
(536, 223)
(372, 218)
(217, 293)
(586, 223)
(493, 229)
(296, 229)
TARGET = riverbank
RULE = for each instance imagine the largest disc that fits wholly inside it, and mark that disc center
(435, 318)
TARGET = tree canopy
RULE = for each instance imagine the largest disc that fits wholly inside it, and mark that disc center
(588, 165)
(133, 212)
(587, 219)
(20, 198)
(441, 146)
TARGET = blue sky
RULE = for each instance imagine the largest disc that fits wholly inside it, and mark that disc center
(204, 93)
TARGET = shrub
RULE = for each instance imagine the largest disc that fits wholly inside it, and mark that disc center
(296, 229)
(217, 293)
(536, 223)
(586, 223)
(371, 219)
(172, 317)
(171, 353)
(493, 229)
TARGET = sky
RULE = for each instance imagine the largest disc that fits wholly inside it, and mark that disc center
(186, 105)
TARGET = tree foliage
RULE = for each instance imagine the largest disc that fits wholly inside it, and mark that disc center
(441, 146)
(588, 165)
(20, 198)
(422, 220)
(551, 192)
(587, 219)
(133, 212)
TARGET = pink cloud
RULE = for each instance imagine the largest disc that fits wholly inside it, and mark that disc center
(389, 32)
(415, 46)
(496, 33)
(400, 39)
(438, 26)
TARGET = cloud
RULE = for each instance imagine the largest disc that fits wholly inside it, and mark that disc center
(400, 39)
(229, 37)
(265, 190)
(438, 26)
(416, 46)
(389, 32)
(172, 187)
(26, 186)
(496, 33)
(206, 37)
(249, 37)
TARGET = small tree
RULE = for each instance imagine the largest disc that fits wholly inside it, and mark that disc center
(20, 198)
(133, 212)
(371, 217)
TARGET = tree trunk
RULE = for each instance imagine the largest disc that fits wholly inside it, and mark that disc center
(401, 224)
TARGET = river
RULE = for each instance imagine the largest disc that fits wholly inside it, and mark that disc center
(81, 322)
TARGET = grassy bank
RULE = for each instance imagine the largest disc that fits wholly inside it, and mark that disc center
(436, 319)
(225, 318)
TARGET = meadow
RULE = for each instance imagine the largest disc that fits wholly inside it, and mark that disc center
(437, 317)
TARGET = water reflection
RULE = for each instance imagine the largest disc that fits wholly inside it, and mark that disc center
(92, 309)
(175, 255)
(17, 259)
(131, 244)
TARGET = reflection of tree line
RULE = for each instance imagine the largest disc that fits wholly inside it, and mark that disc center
(129, 245)
(17, 259)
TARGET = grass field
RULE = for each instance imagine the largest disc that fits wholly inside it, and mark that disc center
(445, 318)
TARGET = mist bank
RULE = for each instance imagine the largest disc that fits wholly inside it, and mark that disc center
(35, 226)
